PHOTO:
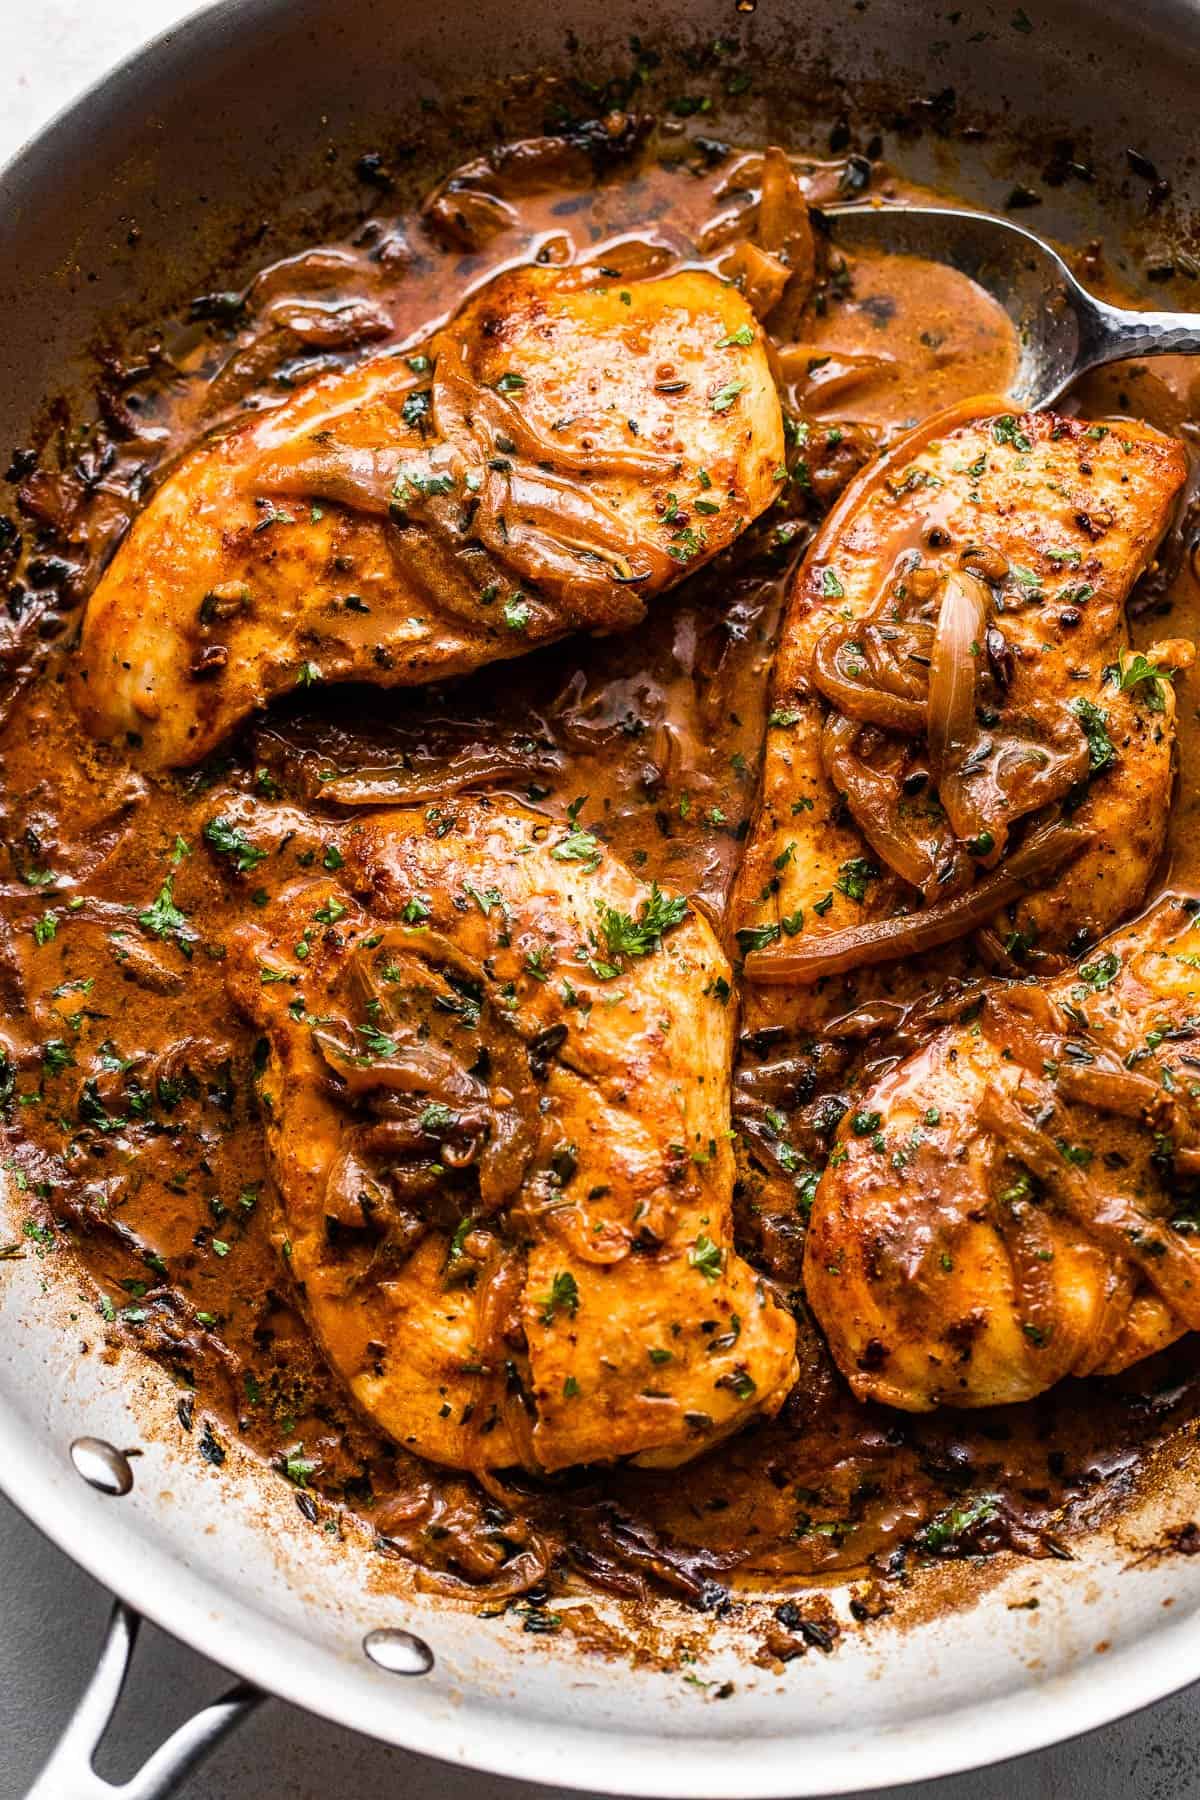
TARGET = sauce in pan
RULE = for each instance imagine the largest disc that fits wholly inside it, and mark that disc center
(128, 1076)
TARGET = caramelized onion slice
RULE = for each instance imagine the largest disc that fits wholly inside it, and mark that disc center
(1053, 1342)
(898, 657)
(351, 475)
(853, 694)
(1027, 1025)
(415, 1067)
(463, 407)
(761, 277)
(426, 779)
(800, 963)
(873, 797)
(784, 227)
(953, 681)
(1109, 1088)
(1112, 1220)
(570, 543)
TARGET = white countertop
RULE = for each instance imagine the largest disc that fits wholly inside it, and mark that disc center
(52, 1616)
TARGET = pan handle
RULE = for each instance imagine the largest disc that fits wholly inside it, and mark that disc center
(69, 1774)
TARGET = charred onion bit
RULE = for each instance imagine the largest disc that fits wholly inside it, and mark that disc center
(497, 1097)
(958, 716)
(1027, 1207)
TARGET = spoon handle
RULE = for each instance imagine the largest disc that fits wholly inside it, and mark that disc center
(1112, 334)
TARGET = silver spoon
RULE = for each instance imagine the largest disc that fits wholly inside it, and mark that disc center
(1062, 330)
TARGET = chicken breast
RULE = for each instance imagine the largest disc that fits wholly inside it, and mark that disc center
(497, 1104)
(958, 725)
(1018, 1201)
(566, 451)
(975, 575)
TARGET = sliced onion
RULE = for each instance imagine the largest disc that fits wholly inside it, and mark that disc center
(762, 278)
(307, 271)
(819, 373)
(1055, 1348)
(466, 219)
(783, 222)
(865, 701)
(953, 680)
(352, 476)
(1026, 1024)
(873, 799)
(509, 1150)
(800, 963)
(1024, 1021)
(328, 327)
(784, 230)
(1113, 1221)
(415, 1068)
(461, 406)
(572, 546)
(892, 652)
(350, 1179)
(1029, 763)
(1109, 1088)
(476, 766)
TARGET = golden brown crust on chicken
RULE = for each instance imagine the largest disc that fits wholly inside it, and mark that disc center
(1044, 523)
(1017, 1201)
(575, 450)
(497, 1111)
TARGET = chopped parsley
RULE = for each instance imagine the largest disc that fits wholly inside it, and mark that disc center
(1006, 430)
(378, 1046)
(853, 877)
(578, 846)
(163, 919)
(1101, 750)
(563, 1297)
(229, 840)
(624, 937)
(1103, 972)
(1136, 671)
(437, 1117)
(724, 399)
(756, 937)
(946, 1531)
(707, 1257)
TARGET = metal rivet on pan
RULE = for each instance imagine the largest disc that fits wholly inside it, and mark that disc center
(102, 1465)
(399, 1652)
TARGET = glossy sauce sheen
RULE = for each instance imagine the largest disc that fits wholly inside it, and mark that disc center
(134, 1137)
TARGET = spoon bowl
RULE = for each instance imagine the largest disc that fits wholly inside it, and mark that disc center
(1062, 329)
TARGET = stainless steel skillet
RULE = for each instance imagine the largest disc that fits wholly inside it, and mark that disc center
(124, 208)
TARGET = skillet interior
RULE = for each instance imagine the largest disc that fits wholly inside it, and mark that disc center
(131, 157)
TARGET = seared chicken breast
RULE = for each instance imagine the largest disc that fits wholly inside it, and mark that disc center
(960, 736)
(1018, 1201)
(497, 1104)
(565, 451)
(967, 772)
